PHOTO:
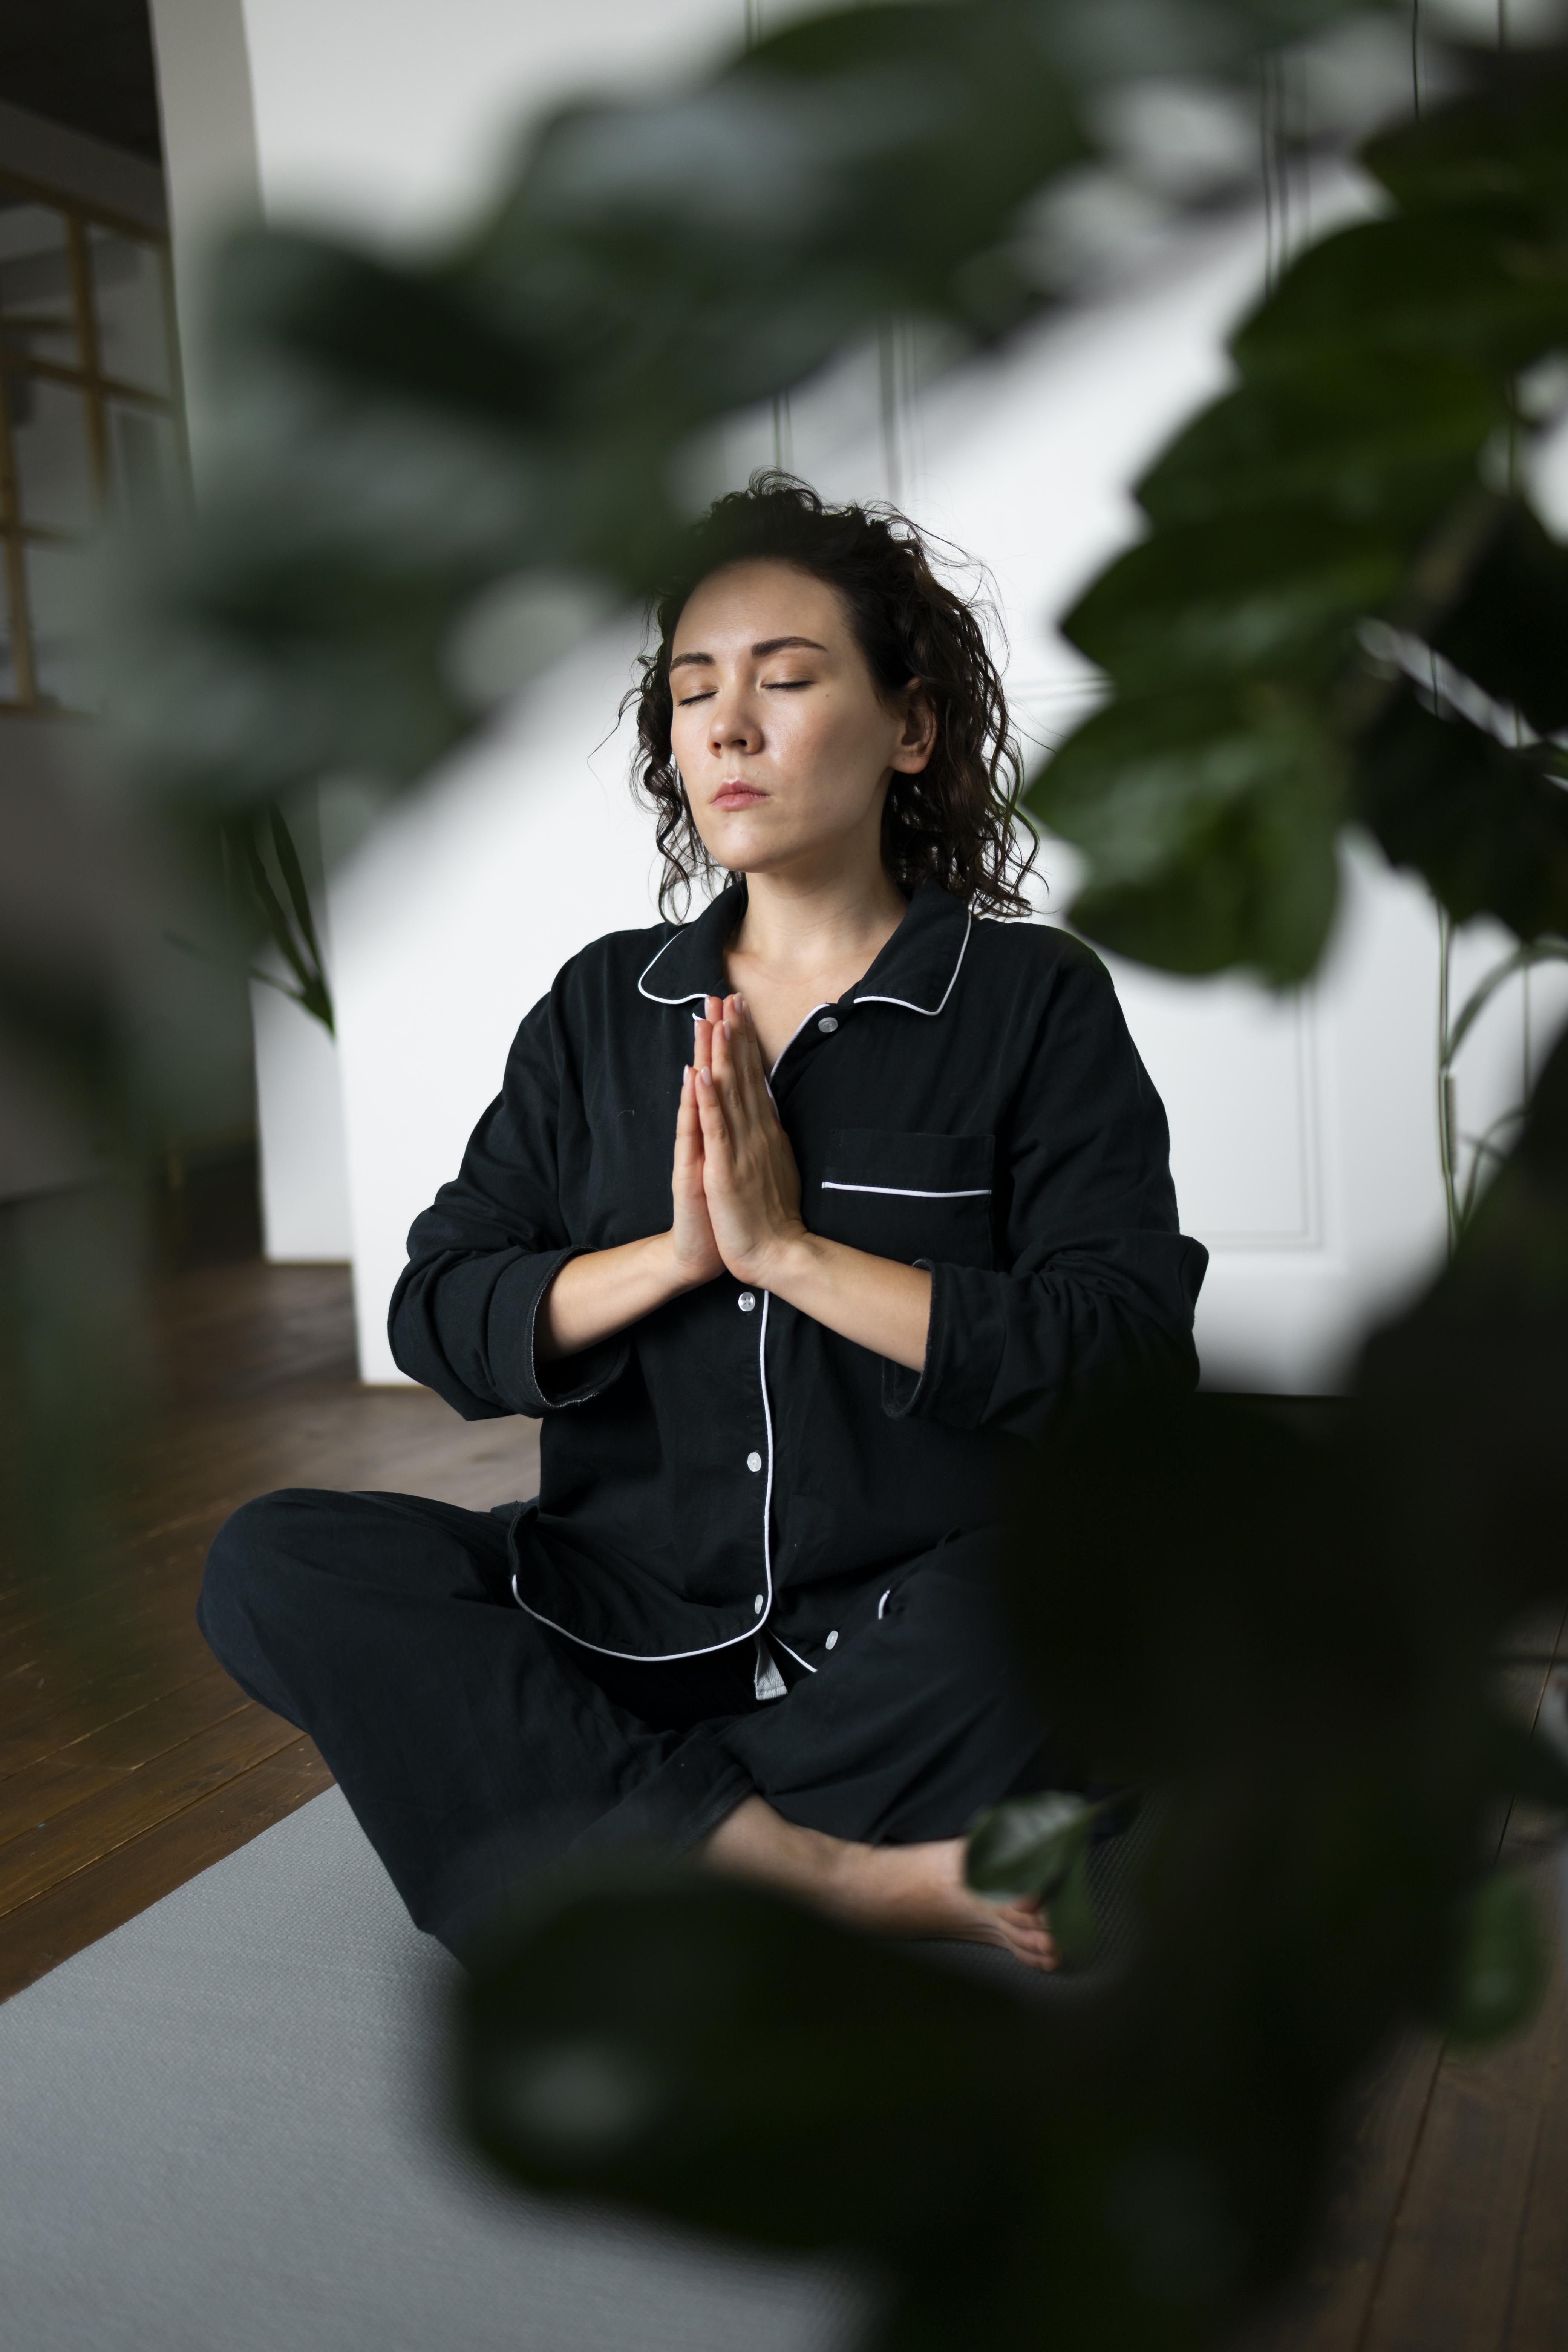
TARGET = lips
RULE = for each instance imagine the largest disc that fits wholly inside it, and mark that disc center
(737, 796)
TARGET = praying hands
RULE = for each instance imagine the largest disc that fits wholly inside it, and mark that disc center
(736, 1208)
(730, 1150)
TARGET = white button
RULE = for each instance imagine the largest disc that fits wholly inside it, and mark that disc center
(832, 1641)
(827, 1025)
(757, 1604)
(746, 1301)
(753, 1461)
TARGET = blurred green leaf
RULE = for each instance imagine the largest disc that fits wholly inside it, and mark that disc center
(1391, 441)
(1072, 1916)
(1462, 1400)
(1488, 826)
(656, 1983)
(1478, 288)
(1344, 482)
(1523, 1764)
(1097, 41)
(397, 438)
(1509, 146)
(1508, 629)
(1273, 592)
(1208, 820)
(710, 2054)
(1499, 1963)
(1028, 1845)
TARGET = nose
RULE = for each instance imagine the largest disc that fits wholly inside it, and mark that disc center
(733, 723)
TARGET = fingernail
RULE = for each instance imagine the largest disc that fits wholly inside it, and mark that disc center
(706, 1077)
(725, 1026)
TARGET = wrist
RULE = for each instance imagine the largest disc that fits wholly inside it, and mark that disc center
(673, 1272)
(781, 1263)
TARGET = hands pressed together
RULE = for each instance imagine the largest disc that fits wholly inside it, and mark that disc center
(736, 1186)
(737, 1210)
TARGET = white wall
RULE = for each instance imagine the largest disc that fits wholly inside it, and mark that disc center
(451, 921)
(305, 1216)
(398, 117)
(209, 158)
(1304, 1131)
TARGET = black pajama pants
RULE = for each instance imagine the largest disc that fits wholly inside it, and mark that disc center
(475, 1744)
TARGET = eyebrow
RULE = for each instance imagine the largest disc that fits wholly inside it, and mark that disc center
(759, 652)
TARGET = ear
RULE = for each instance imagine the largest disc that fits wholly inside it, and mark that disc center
(918, 739)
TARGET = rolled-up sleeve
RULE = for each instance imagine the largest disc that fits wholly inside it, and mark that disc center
(1100, 1284)
(481, 1257)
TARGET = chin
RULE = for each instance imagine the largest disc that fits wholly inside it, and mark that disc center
(743, 845)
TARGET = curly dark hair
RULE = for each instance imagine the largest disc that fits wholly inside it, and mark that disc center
(957, 822)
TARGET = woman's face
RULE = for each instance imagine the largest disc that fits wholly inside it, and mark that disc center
(783, 743)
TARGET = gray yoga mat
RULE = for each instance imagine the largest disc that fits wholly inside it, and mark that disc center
(219, 2133)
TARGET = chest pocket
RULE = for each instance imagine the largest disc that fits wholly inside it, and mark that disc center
(908, 1196)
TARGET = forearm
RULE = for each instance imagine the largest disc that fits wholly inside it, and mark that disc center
(599, 1294)
(878, 1302)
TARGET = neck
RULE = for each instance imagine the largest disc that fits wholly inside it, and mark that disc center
(797, 921)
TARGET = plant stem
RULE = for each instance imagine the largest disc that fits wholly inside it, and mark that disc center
(1446, 1079)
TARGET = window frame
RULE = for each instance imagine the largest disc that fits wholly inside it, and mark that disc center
(80, 215)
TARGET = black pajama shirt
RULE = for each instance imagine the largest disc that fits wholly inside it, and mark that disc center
(760, 1555)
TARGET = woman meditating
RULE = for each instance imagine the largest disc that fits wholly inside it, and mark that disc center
(794, 1224)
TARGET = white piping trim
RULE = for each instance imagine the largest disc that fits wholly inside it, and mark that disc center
(794, 1654)
(930, 1010)
(670, 1657)
(907, 1192)
(691, 996)
(768, 1490)
(638, 1657)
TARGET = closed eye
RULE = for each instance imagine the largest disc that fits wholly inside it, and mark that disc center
(770, 686)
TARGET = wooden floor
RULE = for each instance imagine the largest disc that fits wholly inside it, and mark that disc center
(129, 1762)
(128, 1759)
(1449, 2229)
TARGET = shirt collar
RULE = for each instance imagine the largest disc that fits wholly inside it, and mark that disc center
(916, 970)
(691, 963)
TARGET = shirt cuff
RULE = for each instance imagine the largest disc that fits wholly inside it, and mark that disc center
(963, 1354)
(528, 1385)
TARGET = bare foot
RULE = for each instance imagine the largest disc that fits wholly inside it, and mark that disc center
(887, 1890)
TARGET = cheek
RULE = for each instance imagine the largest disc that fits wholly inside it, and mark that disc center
(831, 753)
(685, 737)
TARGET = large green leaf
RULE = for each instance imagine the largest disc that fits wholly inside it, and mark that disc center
(712, 2055)
(1479, 287)
(1207, 821)
(1464, 1400)
(1509, 146)
(1486, 826)
(1523, 1764)
(1509, 629)
(612, 2041)
(1391, 436)
(858, 159)
(1027, 1845)
(1271, 592)
(409, 332)
(397, 438)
